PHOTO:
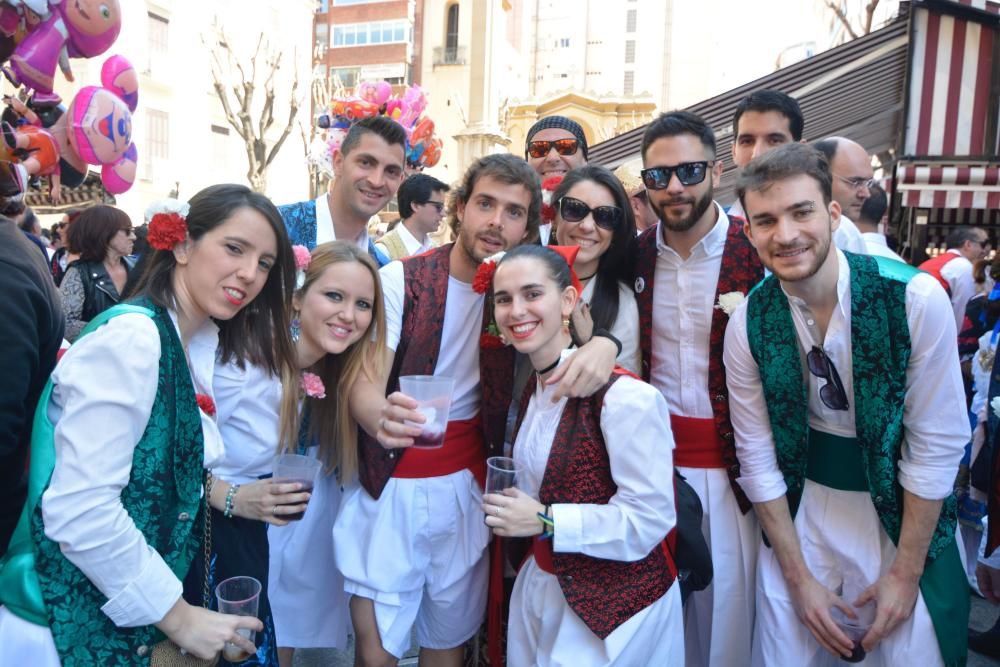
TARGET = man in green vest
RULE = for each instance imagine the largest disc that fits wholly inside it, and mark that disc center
(849, 415)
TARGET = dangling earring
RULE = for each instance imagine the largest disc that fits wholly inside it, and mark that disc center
(503, 339)
(565, 324)
(296, 328)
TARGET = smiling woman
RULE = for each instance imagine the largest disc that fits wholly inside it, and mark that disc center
(91, 574)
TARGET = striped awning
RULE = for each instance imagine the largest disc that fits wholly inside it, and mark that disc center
(950, 108)
(973, 186)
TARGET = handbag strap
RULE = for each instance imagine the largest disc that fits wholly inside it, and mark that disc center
(207, 544)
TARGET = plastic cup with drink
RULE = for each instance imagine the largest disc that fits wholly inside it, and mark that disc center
(433, 396)
(296, 468)
(239, 596)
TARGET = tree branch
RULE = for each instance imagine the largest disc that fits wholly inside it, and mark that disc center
(839, 13)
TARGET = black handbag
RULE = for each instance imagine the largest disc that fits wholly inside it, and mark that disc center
(691, 554)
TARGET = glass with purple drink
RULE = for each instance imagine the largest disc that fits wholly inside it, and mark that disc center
(855, 628)
(296, 468)
(433, 396)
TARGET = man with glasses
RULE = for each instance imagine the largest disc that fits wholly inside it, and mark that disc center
(553, 146)
(421, 205)
(689, 268)
(645, 216)
(764, 120)
(850, 422)
(953, 268)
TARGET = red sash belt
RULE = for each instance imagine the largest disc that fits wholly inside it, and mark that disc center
(463, 449)
(542, 551)
(698, 443)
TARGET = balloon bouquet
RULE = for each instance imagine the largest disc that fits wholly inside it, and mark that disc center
(44, 137)
(370, 99)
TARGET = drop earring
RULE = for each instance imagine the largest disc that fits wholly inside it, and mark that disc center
(565, 324)
(296, 328)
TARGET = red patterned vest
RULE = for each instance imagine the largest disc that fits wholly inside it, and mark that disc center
(426, 289)
(934, 265)
(741, 270)
(604, 593)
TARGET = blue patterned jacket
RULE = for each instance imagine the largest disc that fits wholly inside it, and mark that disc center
(300, 221)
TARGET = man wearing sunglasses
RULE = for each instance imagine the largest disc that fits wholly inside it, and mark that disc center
(850, 423)
(553, 146)
(645, 216)
(766, 119)
(421, 205)
(953, 268)
(688, 266)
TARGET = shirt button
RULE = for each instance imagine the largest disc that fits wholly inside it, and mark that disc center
(391, 455)
(810, 322)
(878, 500)
(142, 651)
(569, 578)
(183, 516)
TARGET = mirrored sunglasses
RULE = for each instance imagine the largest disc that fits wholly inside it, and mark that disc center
(688, 173)
(538, 149)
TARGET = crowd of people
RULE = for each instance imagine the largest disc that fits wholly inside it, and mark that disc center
(741, 429)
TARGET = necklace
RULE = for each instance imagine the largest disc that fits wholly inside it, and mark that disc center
(586, 278)
(553, 364)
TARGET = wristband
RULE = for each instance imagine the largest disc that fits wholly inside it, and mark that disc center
(548, 524)
(231, 500)
(604, 333)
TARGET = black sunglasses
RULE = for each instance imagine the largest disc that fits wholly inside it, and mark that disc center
(538, 149)
(605, 217)
(832, 393)
(436, 204)
(688, 173)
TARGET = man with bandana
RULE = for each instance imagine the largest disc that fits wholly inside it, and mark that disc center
(553, 146)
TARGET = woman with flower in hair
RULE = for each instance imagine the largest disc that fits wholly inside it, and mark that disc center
(337, 304)
(123, 436)
(590, 493)
(593, 212)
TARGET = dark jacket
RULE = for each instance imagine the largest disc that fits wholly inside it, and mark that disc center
(31, 331)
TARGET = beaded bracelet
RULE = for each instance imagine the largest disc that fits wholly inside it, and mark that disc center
(548, 524)
(230, 500)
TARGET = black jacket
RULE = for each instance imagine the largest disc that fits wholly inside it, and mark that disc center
(31, 331)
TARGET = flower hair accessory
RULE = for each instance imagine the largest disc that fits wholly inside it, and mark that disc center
(549, 186)
(484, 274)
(313, 385)
(302, 260)
(730, 301)
(167, 220)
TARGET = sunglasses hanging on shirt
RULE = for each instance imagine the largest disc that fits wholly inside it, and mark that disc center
(832, 393)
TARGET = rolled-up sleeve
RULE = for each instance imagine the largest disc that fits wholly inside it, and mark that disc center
(103, 396)
(636, 428)
(935, 421)
(760, 478)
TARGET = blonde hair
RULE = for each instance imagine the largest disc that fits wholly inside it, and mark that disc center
(330, 422)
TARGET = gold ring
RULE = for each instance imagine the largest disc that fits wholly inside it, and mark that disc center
(274, 511)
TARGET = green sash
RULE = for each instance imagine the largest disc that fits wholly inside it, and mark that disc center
(880, 353)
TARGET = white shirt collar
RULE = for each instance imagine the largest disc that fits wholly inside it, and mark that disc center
(409, 240)
(711, 242)
(324, 225)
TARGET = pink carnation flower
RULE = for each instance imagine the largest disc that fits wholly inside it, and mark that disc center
(302, 256)
(313, 385)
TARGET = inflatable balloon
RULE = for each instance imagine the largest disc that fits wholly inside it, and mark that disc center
(376, 93)
(72, 29)
(353, 108)
(117, 74)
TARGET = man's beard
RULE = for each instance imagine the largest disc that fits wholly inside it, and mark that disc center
(823, 247)
(468, 243)
(698, 209)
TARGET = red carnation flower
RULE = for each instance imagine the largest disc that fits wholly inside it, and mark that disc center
(166, 230)
(551, 183)
(548, 213)
(206, 404)
(488, 341)
(484, 277)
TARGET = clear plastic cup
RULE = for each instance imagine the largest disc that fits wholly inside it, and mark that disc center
(239, 596)
(855, 628)
(501, 474)
(433, 396)
(296, 468)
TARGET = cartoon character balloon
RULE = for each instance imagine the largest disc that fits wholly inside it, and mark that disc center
(72, 29)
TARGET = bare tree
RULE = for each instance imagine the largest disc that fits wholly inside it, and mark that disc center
(867, 17)
(236, 86)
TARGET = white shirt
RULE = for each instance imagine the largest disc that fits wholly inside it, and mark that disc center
(958, 273)
(935, 424)
(877, 245)
(625, 327)
(248, 406)
(412, 244)
(846, 237)
(458, 356)
(544, 232)
(635, 425)
(324, 226)
(683, 303)
(105, 386)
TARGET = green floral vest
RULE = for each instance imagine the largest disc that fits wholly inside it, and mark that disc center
(880, 352)
(162, 498)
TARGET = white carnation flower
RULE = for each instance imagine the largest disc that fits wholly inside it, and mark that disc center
(730, 301)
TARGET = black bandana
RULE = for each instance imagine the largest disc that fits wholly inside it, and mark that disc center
(562, 123)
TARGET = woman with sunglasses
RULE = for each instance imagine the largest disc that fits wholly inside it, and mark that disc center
(102, 236)
(590, 494)
(122, 438)
(593, 212)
